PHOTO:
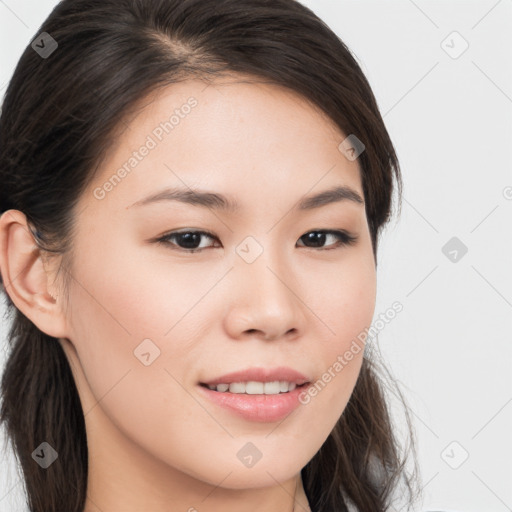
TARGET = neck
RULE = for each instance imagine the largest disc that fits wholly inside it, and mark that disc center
(300, 503)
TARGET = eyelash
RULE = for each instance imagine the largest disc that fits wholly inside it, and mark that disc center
(345, 239)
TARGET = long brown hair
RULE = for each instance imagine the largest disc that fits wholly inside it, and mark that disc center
(59, 116)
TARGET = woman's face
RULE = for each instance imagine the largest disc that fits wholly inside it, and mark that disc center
(150, 321)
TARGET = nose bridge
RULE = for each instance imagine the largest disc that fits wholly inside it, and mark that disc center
(264, 291)
(262, 261)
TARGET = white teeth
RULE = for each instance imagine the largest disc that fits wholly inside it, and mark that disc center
(237, 387)
(272, 388)
(255, 388)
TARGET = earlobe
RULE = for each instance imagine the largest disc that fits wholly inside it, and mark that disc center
(25, 277)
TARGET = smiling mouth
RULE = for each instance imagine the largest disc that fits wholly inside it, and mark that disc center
(255, 388)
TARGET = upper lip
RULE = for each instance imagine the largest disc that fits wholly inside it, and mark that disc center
(281, 373)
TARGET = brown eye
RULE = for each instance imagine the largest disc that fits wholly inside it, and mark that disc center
(318, 238)
(188, 241)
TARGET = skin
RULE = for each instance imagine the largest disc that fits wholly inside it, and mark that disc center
(155, 443)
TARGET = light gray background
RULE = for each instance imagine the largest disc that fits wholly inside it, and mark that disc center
(451, 122)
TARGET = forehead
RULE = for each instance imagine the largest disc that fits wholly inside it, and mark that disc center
(247, 139)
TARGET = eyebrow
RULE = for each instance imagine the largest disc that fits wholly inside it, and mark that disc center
(220, 202)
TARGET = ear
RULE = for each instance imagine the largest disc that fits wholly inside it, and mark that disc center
(25, 278)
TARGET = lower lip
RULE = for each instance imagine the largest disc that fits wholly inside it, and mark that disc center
(260, 408)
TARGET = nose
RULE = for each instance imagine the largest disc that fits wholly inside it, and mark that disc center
(263, 302)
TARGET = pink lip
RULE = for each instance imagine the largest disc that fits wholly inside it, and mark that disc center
(259, 408)
(281, 373)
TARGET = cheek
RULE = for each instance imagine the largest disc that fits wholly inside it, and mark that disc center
(342, 296)
(140, 295)
(345, 303)
(133, 307)
(112, 313)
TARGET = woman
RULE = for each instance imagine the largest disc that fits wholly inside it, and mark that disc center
(192, 196)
